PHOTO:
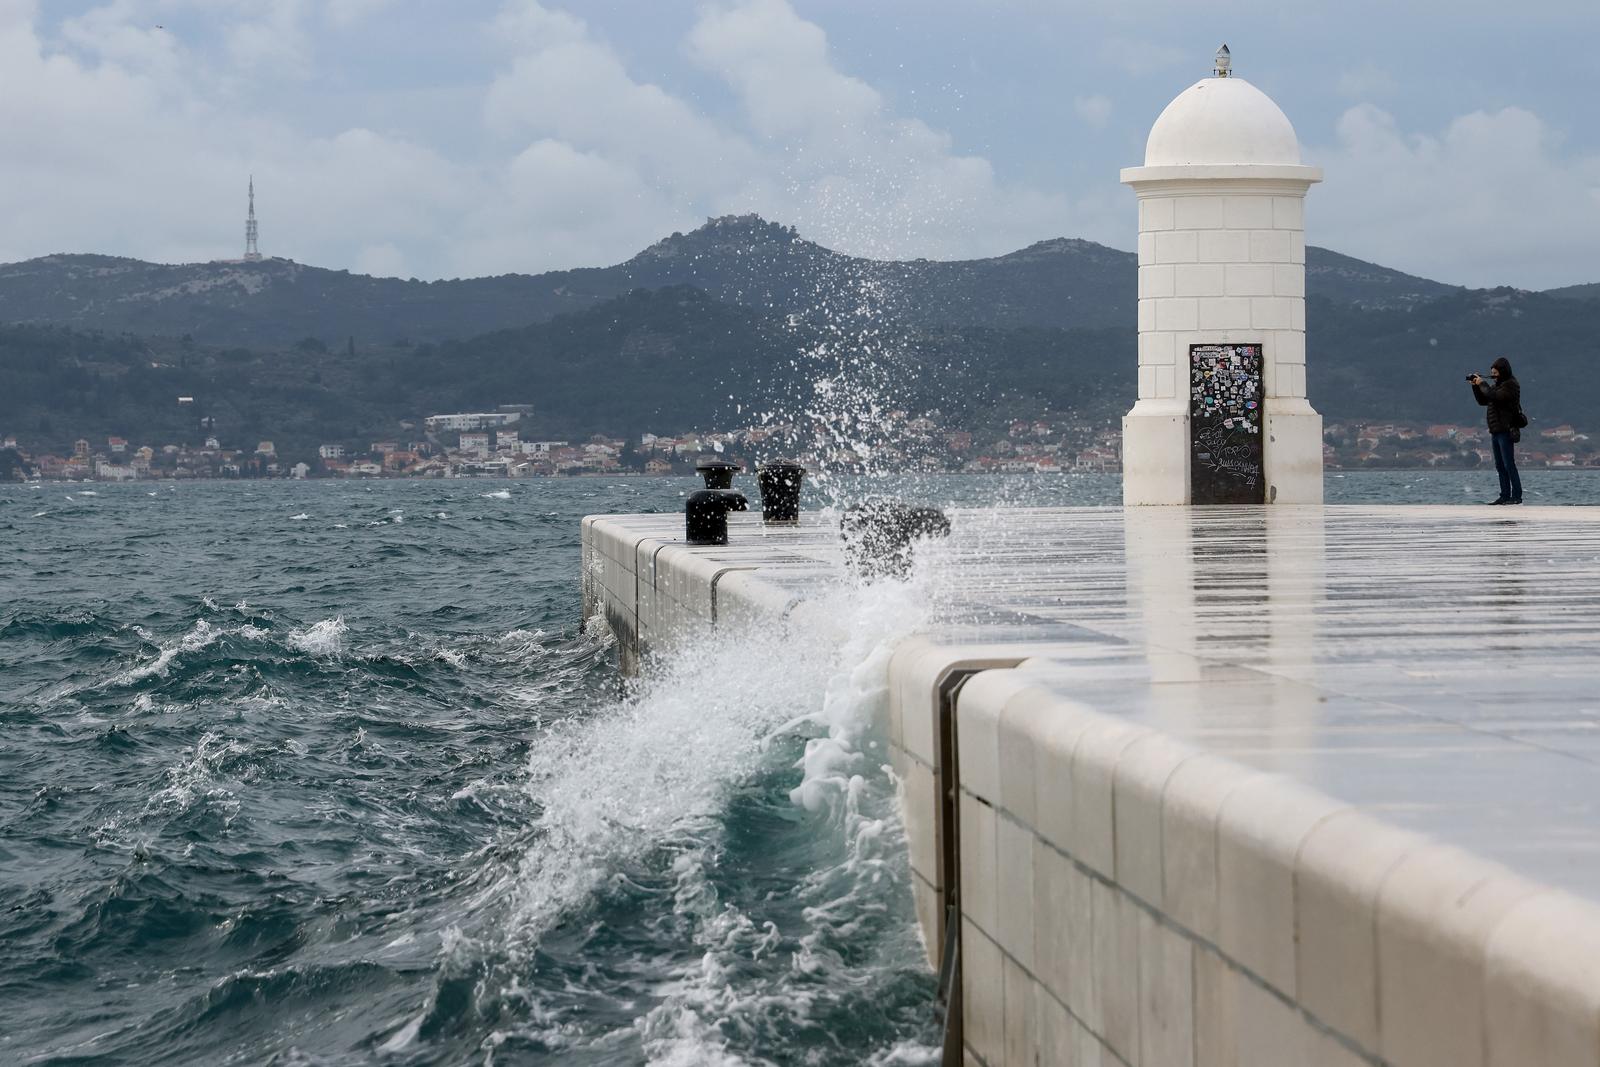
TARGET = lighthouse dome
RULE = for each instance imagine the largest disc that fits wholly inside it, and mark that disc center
(1222, 120)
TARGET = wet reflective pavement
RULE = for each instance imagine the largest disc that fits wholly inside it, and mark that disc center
(1438, 667)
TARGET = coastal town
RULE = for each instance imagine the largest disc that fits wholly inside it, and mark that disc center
(495, 445)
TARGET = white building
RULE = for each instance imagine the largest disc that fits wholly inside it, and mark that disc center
(1222, 292)
(475, 442)
(331, 451)
(486, 420)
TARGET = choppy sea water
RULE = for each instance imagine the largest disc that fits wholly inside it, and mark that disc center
(325, 773)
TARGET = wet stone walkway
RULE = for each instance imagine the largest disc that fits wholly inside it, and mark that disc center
(1437, 667)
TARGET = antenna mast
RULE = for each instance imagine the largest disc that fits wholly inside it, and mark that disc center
(251, 253)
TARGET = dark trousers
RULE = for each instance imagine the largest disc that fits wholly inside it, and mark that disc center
(1505, 463)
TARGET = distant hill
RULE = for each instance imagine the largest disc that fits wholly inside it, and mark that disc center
(1342, 279)
(1586, 291)
(740, 260)
(1410, 364)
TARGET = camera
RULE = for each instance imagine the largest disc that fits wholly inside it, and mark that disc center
(1472, 376)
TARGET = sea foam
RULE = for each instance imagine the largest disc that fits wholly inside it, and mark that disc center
(325, 638)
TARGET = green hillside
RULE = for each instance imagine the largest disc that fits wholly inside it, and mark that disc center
(739, 260)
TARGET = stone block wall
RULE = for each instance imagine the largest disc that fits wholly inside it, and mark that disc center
(1221, 262)
(655, 591)
(1126, 899)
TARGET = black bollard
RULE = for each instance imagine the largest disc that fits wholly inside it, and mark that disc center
(879, 535)
(780, 490)
(717, 472)
(705, 515)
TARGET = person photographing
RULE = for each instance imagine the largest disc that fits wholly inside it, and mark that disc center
(1501, 394)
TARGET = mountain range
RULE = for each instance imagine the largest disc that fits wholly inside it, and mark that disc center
(703, 327)
(740, 260)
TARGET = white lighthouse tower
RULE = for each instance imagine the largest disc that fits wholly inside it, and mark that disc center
(1222, 415)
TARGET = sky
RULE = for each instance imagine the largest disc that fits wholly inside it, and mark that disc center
(426, 139)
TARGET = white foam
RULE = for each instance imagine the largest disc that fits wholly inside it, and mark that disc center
(194, 779)
(325, 638)
(199, 636)
(299, 517)
(498, 494)
(403, 1037)
(907, 1054)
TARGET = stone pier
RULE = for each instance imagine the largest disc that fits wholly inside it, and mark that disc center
(1203, 786)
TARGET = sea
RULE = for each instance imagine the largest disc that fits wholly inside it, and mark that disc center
(334, 773)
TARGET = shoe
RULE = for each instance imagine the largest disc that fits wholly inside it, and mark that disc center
(1516, 501)
(1502, 500)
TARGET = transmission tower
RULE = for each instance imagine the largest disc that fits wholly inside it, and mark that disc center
(251, 252)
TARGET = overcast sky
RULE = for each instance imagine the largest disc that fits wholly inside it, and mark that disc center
(432, 139)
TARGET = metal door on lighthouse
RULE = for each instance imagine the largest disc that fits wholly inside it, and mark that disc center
(1225, 436)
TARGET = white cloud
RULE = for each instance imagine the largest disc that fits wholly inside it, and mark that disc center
(857, 176)
(1094, 109)
(1491, 200)
(125, 138)
(274, 39)
(121, 33)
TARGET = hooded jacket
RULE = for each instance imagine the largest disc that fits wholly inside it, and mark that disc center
(1502, 398)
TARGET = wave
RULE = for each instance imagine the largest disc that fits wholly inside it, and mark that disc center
(195, 778)
(325, 638)
(199, 636)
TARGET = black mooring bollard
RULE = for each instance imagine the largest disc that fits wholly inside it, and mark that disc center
(705, 515)
(780, 490)
(879, 534)
(717, 472)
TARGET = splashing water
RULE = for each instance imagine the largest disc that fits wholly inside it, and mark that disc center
(325, 638)
(637, 805)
